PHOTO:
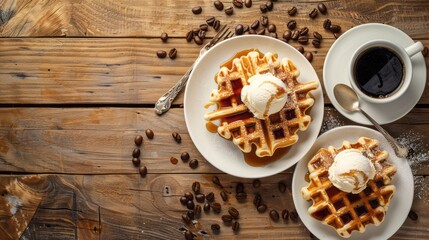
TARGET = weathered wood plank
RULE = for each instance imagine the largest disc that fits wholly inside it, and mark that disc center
(129, 207)
(107, 71)
(150, 18)
(100, 141)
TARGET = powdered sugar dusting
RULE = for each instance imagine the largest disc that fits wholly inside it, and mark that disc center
(330, 122)
(421, 189)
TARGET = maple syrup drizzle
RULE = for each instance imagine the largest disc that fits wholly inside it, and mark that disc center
(253, 160)
(211, 127)
(307, 176)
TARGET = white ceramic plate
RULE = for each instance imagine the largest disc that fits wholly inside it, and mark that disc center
(222, 153)
(336, 67)
(398, 208)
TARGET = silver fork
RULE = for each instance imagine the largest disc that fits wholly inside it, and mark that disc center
(164, 102)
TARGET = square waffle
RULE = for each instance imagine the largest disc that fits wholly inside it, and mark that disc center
(347, 212)
(275, 131)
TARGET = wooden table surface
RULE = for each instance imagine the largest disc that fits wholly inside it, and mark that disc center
(78, 81)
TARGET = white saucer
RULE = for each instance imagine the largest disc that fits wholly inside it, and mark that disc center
(398, 208)
(336, 67)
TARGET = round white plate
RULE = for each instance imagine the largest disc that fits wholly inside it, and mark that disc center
(336, 67)
(398, 208)
(222, 153)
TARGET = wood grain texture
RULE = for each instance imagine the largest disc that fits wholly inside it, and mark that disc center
(150, 18)
(104, 70)
(130, 207)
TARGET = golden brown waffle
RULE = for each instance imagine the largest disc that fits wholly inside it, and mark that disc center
(347, 212)
(237, 122)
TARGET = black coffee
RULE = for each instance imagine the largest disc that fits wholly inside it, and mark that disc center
(379, 72)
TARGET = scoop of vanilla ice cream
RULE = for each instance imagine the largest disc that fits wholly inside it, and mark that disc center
(265, 95)
(351, 171)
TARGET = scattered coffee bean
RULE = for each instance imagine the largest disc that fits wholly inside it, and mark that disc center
(177, 136)
(261, 31)
(270, 5)
(282, 187)
(293, 216)
(274, 215)
(224, 195)
(257, 200)
(198, 211)
(200, 197)
(322, 8)
(425, 51)
(317, 35)
(255, 25)
(245, 28)
(191, 214)
(241, 196)
(303, 31)
(271, 28)
(184, 156)
(174, 160)
(215, 228)
(295, 35)
(292, 11)
(210, 21)
(233, 212)
(263, 8)
(300, 49)
(291, 24)
(264, 20)
(183, 200)
(216, 181)
(204, 27)
(239, 187)
(186, 219)
(248, 3)
(273, 34)
(229, 10)
(172, 54)
(236, 226)
(138, 140)
(143, 171)
(313, 13)
(164, 37)
(216, 25)
(136, 161)
(262, 208)
(335, 28)
(227, 218)
(136, 153)
(316, 43)
(309, 56)
(189, 235)
(256, 183)
(218, 5)
(285, 214)
(193, 163)
(190, 204)
(161, 53)
(239, 29)
(198, 40)
(189, 36)
(413, 215)
(197, 10)
(337, 35)
(210, 197)
(216, 207)
(189, 196)
(196, 31)
(237, 3)
(206, 207)
(196, 187)
(251, 31)
(327, 24)
(287, 35)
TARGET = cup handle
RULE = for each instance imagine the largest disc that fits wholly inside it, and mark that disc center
(414, 49)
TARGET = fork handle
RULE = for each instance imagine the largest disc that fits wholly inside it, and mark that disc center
(164, 102)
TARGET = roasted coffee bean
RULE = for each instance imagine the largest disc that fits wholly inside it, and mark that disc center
(216, 181)
(236, 226)
(186, 219)
(193, 163)
(264, 20)
(191, 214)
(262, 208)
(196, 31)
(322, 8)
(237, 3)
(335, 28)
(241, 196)
(216, 207)
(300, 49)
(309, 56)
(337, 35)
(161, 54)
(239, 187)
(190, 204)
(327, 24)
(136, 161)
(313, 13)
(273, 34)
(291, 24)
(210, 197)
(261, 31)
(200, 197)
(413, 215)
(316, 43)
(282, 187)
(239, 29)
(303, 31)
(183, 200)
(270, 5)
(197, 10)
(177, 136)
(255, 25)
(215, 228)
(229, 10)
(425, 51)
(189, 195)
(149, 133)
(218, 5)
(272, 28)
(248, 3)
(293, 216)
(189, 36)
(233, 212)
(226, 218)
(184, 156)
(317, 35)
(263, 8)
(256, 183)
(216, 25)
(196, 186)
(251, 31)
(257, 200)
(143, 171)
(292, 11)
(189, 235)
(295, 35)
(174, 160)
(285, 214)
(136, 153)
(204, 27)
(206, 207)
(224, 195)
(210, 21)
(287, 35)
(202, 35)
(245, 28)
(198, 211)
(172, 54)
(138, 140)
(164, 37)
(274, 215)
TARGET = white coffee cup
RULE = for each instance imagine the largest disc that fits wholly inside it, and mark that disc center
(404, 54)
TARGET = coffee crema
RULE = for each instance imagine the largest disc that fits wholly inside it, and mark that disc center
(378, 72)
